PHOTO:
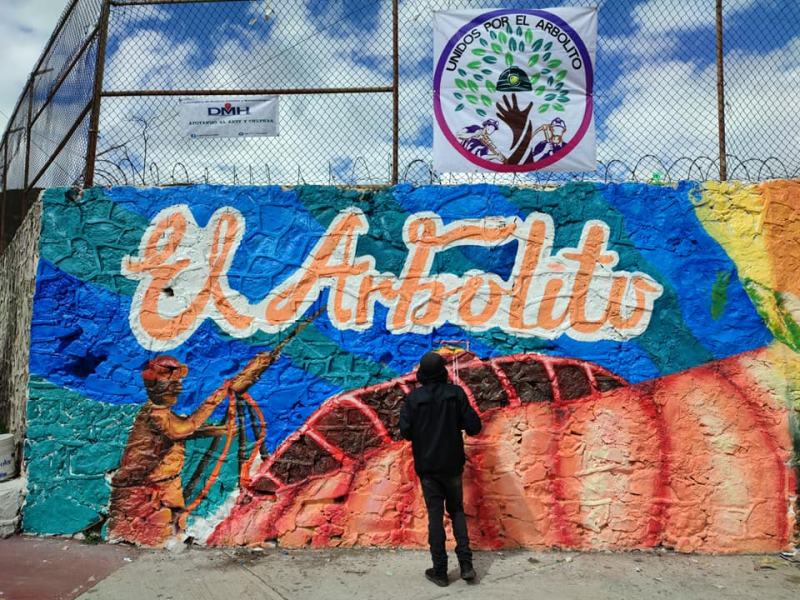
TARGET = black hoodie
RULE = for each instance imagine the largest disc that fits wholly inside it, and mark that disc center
(433, 416)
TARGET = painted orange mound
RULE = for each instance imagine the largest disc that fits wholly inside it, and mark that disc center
(696, 461)
(780, 223)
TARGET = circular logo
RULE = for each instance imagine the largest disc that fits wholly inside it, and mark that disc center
(513, 90)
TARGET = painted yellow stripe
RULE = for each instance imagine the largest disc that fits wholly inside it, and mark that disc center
(732, 213)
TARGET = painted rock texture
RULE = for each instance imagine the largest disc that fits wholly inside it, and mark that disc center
(696, 461)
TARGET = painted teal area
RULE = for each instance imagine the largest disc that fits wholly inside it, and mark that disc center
(73, 445)
(570, 207)
(88, 236)
(384, 241)
(226, 482)
(99, 232)
(317, 353)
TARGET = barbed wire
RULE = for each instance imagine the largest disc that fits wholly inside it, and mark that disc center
(647, 169)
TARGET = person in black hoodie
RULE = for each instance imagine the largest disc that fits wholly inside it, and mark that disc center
(432, 417)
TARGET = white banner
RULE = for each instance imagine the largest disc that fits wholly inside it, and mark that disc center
(512, 90)
(229, 117)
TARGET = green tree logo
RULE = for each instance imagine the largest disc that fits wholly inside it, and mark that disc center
(529, 66)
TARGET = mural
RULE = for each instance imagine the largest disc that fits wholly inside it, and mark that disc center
(228, 363)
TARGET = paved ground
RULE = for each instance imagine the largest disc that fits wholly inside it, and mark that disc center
(122, 573)
(54, 568)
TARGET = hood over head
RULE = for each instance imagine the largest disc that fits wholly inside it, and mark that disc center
(432, 369)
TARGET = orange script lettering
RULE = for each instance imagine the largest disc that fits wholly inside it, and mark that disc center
(182, 273)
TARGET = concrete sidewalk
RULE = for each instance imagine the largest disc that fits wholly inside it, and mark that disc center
(387, 575)
(38, 568)
(57, 569)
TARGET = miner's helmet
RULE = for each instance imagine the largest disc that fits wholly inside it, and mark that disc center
(164, 368)
(558, 123)
(514, 79)
(491, 123)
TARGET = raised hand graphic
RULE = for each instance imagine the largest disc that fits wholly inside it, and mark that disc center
(518, 120)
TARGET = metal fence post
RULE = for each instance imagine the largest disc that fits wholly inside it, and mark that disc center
(28, 127)
(395, 93)
(5, 189)
(5, 165)
(97, 90)
(723, 164)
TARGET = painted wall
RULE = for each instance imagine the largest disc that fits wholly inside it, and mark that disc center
(228, 363)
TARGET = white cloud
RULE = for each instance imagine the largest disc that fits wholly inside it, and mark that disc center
(684, 124)
(148, 59)
(761, 98)
(25, 27)
(760, 120)
(664, 106)
(686, 15)
(315, 130)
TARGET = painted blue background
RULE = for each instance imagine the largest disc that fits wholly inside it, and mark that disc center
(81, 338)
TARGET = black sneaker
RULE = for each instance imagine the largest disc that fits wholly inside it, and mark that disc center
(439, 579)
(467, 572)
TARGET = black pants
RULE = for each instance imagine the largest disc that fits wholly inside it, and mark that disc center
(440, 491)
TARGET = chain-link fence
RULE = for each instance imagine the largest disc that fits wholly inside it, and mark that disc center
(354, 79)
(45, 142)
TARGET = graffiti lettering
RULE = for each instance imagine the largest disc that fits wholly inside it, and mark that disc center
(575, 291)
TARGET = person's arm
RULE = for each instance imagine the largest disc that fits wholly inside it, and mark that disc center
(262, 361)
(254, 369)
(180, 428)
(211, 431)
(470, 421)
(405, 423)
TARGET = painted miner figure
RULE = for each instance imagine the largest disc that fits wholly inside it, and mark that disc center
(477, 139)
(553, 140)
(147, 498)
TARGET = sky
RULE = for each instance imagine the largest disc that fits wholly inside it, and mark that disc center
(25, 27)
(655, 87)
